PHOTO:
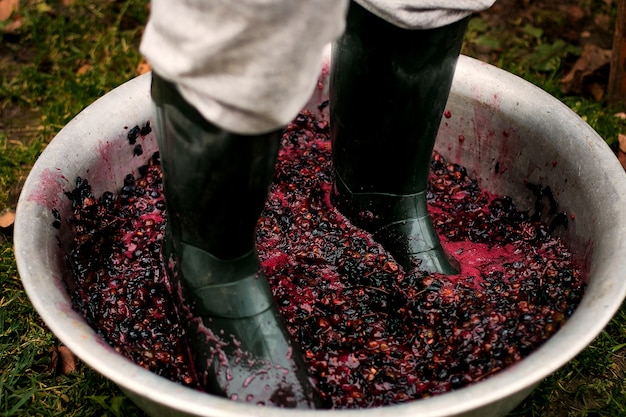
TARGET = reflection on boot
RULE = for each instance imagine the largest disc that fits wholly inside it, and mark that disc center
(241, 346)
(400, 223)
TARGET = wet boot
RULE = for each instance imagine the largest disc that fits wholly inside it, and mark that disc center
(215, 186)
(388, 90)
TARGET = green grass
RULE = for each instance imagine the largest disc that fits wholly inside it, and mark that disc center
(58, 62)
(15, 159)
(65, 57)
(74, 55)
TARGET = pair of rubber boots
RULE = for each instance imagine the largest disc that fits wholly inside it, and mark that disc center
(388, 90)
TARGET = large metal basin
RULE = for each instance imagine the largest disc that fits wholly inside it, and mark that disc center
(513, 132)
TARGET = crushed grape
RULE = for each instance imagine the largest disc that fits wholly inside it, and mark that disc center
(371, 333)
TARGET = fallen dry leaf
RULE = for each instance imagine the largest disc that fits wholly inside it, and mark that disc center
(143, 67)
(591, 60)
(68, 360)
(62, 360)
(7, 7)
(9, 14)
(83, 69)
(7, 218)
(620, 115)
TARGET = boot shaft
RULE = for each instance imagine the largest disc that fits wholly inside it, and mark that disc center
(388, 90)
(216, 182)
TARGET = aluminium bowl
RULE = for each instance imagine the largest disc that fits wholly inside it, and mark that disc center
(504, 130)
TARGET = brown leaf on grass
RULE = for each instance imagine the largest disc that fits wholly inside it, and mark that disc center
(9, 14)
(61, 360)
(592, 59)
(83, 69)
(7, 218)
(68, 360)
(621, 151)
(143, 67)
(7, 7)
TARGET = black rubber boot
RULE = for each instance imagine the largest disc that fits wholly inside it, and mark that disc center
(388, 90)
(215, 186)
